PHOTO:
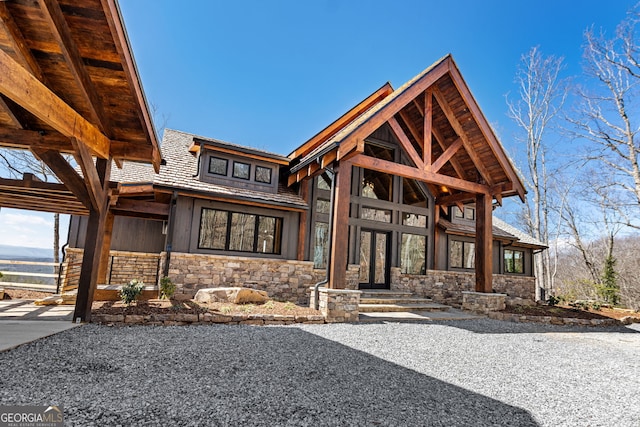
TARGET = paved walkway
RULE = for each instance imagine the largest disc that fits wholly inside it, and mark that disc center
(21, 321)
(418, 316)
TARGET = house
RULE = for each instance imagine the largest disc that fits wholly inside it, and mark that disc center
(397, 193)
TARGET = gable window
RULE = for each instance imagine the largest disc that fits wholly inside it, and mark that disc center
(513, 261)
(241, 170)
(462, 254)
(218, 166)
(236, 231)
(263, 175)
(377, 185)
(467, 213)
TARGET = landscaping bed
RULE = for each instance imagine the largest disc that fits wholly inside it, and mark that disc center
(560, 315)
(172, 312)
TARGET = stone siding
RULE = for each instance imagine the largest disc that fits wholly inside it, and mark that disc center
(483, 302)
(339, 305)
(123, 267)
(446, 287)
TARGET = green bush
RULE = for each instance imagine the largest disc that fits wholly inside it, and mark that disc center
(131, 291)
(553, 300)
(167, 288)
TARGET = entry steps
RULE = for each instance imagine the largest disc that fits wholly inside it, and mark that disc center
(384, 301)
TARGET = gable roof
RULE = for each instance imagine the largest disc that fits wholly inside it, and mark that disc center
(453, 115)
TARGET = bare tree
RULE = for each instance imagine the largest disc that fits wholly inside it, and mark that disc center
(608, 112)
(542, 94)
(16, 163)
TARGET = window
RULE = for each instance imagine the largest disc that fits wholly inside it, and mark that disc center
(413, 254)
(235, 231)
(263, 174)
(414, 220)
(513, 261)
(323, 206)
(380, 215)
(241, 170)
(412, 194)
(462, 254)
(218, 166)
(377, 185)
(467, 213)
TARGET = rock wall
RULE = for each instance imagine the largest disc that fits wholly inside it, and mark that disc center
(446, 287)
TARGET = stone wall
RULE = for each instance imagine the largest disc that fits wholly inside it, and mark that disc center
(480, 302)
(123, 267)
(339, 305)
(446, 287)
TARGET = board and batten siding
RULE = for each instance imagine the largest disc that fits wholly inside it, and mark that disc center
(129, 234)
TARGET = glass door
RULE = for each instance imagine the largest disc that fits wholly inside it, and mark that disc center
(374, 259)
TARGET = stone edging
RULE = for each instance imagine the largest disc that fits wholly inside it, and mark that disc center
(205, 319)
(553, 320)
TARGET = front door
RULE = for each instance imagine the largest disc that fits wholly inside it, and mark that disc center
(374, 259)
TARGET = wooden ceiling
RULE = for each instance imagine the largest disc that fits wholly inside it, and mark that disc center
(68, 84)
(459, 158)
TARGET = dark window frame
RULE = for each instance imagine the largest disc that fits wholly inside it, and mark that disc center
(263, 168)
(278, 228)
(233, 171)
(462, 255)
(505, 263)
(226, 166)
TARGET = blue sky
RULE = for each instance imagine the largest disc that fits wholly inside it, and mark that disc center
(271, 74)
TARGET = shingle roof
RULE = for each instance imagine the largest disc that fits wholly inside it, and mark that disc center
(501, 230)
(180, 172)
(523, 238)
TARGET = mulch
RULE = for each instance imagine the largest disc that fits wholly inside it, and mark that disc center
(570, 312)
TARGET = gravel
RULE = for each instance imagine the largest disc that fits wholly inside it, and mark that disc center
(463, 373)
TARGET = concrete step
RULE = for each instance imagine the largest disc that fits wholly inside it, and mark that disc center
(408, 307)
(394, 300)
(384, 293)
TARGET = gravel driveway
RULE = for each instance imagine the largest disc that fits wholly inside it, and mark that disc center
(462, 373)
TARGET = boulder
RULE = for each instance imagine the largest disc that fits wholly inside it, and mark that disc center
(235, 295)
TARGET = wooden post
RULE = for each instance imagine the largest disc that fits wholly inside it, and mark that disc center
(93, 247)
(105, 250)
(484, 243)
(304, 217)
(340, 236)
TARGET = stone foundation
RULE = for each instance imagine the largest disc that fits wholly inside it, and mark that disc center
(339, 305)
(446, 287)
(480, 302)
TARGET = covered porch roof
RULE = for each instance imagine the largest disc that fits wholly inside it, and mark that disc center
(69, 85)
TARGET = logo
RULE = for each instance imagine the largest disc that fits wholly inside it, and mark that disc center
(31, 416)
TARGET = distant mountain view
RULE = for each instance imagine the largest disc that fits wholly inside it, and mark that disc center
(20, 252)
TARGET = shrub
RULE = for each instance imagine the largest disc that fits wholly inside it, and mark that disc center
(553, 300)
(167, 288)
(131, 291)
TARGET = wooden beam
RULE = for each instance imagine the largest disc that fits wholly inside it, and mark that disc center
(405, 142)
(155, 209)
(328, 158)
(446, 156)
(303, 223)
(93, 247)
(57, 23)
(105, 250)
(405, 171)
(340, 228)
(27, 91)
(484, 243)
(454, 199)
(66, 174)
(454, 162)
(428, 116)
(427, 79)
(119, 34)
(457, 127)
(18, 43)
(91, 178)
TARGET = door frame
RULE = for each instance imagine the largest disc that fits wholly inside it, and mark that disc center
(371, 284)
